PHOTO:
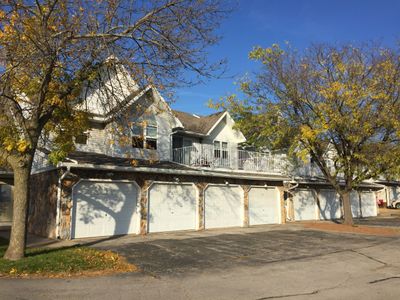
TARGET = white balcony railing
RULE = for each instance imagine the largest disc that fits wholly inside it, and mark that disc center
(204, 155)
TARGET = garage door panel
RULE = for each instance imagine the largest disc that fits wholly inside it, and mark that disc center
(264, 206)
(329, 205)
(5, 203)
(304, 205)
(105, 208)
(355, 204)
(368, 204)
(223, 206)
(172, 207)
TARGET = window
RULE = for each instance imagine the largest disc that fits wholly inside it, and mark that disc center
(137, 135)
(224, 150)
(144, 136)
(137, 142)
(81, 139)
(217, 149)
(220, 149)
(151, 131)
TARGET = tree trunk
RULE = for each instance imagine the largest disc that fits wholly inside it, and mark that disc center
(348, 217)
(16, 247)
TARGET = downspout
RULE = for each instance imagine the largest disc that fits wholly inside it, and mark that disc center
(296, 184)
(58, 215)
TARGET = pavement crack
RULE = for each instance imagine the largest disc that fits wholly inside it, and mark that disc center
(289, 295)
(370, 257)
(384, 279)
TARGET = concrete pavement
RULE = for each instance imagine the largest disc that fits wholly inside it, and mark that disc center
(265, 262)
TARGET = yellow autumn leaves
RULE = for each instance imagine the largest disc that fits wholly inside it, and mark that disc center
(18, 145)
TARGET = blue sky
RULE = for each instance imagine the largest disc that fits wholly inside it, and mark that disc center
(301, 22)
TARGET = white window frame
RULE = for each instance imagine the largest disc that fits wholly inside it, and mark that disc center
(145, 137)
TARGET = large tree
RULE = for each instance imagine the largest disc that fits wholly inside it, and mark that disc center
(336, 105)
(51, 50)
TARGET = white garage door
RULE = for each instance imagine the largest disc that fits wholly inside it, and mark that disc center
(172, 207)
(355, 204)
(105, 209)
(329, 205)
(223, 206)
(5, 203)
(304, 205)
(368, 204)
(264, 206)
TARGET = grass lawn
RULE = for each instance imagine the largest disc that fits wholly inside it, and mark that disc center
(63, 262)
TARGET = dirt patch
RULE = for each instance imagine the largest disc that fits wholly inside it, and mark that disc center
(357, 229)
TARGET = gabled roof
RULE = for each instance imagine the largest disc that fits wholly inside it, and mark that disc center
(198, 124)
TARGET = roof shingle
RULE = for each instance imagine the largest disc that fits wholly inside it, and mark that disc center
(197, 124)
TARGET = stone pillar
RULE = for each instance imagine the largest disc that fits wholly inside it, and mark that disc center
(281, 190)
(200, 208)
(246, 189)
(143, 206)
(66, 207)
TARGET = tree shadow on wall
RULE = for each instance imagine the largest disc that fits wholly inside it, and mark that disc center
(106, 204)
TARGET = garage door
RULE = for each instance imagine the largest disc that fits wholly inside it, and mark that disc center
(105, 209)
(264, 206)
(355, 204)
(5, 203)
(304, 205)
(172, 207)
(368, 204)
(223, 206)
(329, 205)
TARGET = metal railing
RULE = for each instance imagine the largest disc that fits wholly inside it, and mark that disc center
(205, 155)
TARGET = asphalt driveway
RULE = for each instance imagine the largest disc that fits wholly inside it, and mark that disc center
(179, 254)
(259, 263)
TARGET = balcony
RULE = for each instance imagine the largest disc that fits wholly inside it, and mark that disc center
(205, 156)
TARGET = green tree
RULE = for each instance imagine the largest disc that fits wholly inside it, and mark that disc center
(338, 106)
(51, 50)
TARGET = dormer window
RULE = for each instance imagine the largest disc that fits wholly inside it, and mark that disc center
(144, 136)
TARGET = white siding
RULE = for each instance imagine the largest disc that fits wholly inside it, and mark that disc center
(104, 141)
(172, 207)
(225, 132)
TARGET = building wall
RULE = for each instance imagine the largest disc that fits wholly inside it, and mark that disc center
(43, 204)
(144, 180)
(315, 194)
(224, 132)
(114, 139)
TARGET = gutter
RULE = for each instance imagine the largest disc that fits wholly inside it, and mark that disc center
(172, 171)
(58, 215)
